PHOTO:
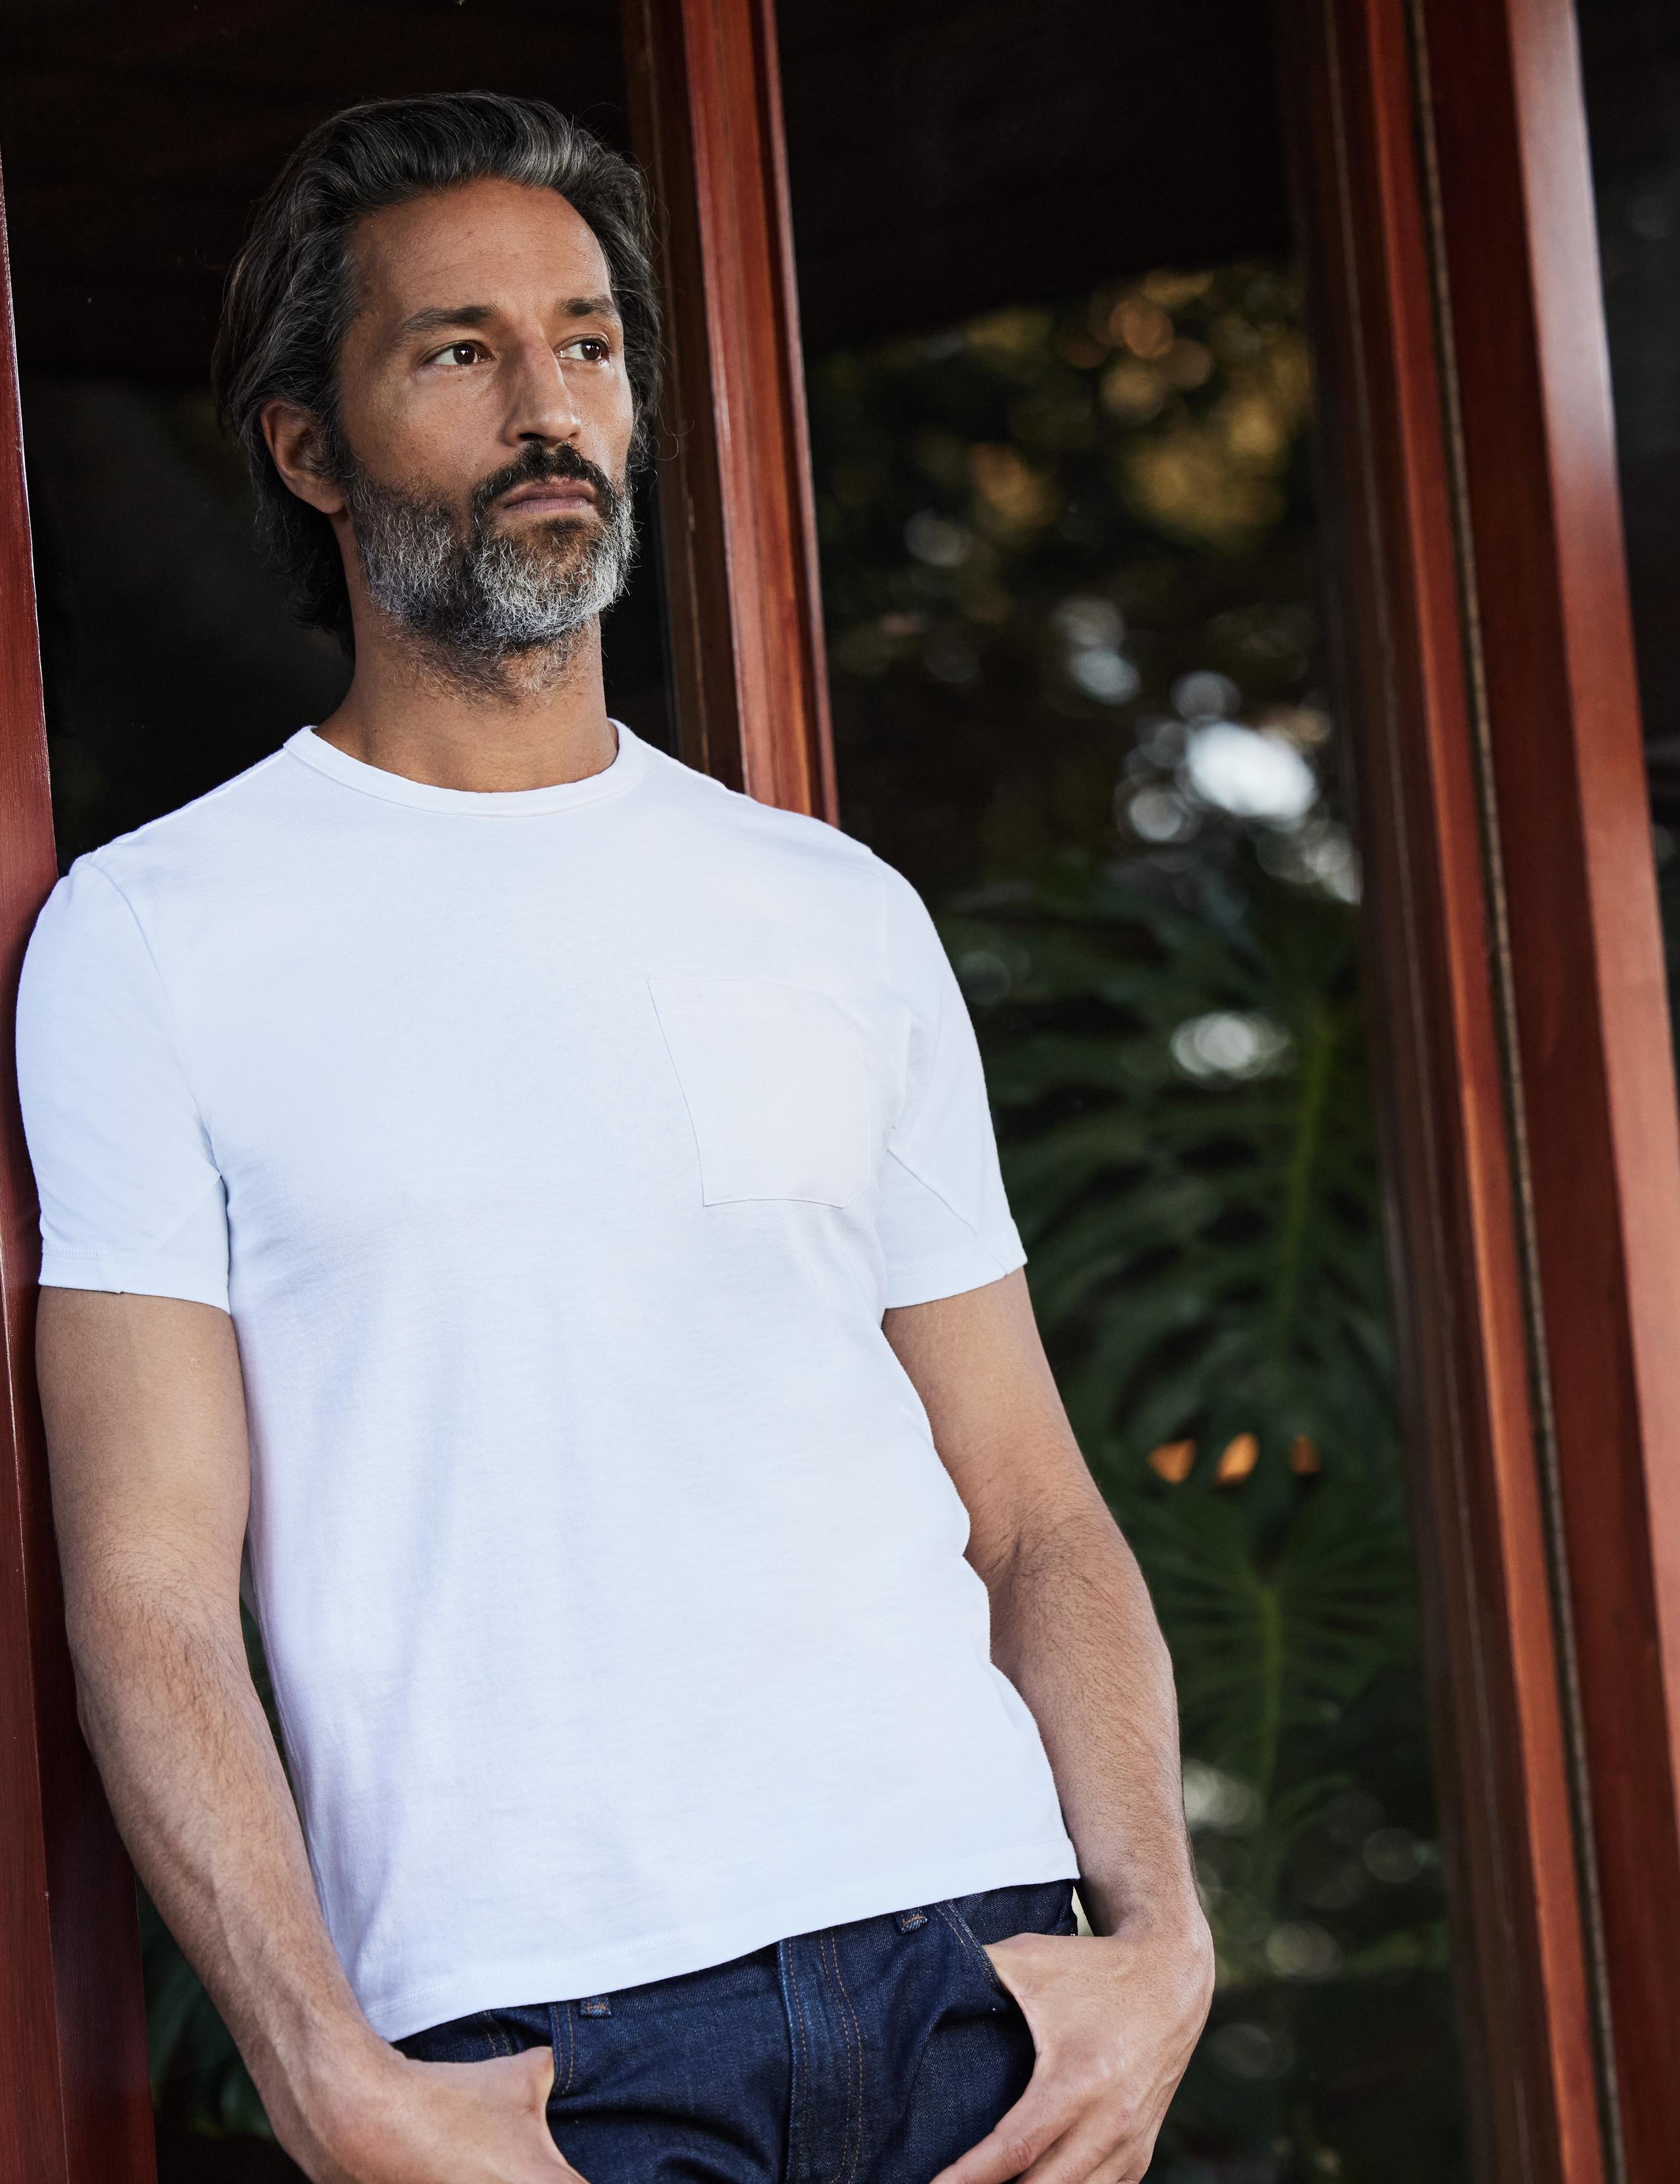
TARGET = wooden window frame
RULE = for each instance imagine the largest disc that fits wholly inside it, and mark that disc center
(1531, 1135)
(1532, 1139)
(743, 600)
(74, 2102)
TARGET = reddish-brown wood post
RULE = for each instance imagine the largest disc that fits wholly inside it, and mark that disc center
(743, 604)
(1534, 1144)
(1433, 934)
(1592, 1066)
(74, 2104)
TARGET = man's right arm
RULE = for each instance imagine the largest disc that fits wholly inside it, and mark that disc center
(145, 1411)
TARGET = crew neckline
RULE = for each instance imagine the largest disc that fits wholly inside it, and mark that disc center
(624, 768)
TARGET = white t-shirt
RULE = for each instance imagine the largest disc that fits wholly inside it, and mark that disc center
(556, 1153)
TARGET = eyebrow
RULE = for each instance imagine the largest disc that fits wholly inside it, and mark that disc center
(439, 316)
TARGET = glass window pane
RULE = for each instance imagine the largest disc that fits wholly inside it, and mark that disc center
(1060, 398)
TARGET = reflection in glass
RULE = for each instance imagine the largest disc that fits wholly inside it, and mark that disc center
(1080, 698)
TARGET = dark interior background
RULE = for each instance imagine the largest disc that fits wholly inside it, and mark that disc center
(134, 140)
(136, 136)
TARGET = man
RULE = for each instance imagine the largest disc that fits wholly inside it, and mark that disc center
(531, 1216)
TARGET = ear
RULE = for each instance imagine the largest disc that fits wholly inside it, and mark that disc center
(298, 447)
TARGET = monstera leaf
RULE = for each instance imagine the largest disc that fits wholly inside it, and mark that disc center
(1205, 1262)
(1265, 1644)
(1205, 1250)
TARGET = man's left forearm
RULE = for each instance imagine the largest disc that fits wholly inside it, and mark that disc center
(1073, 1630)
(1115, 2019)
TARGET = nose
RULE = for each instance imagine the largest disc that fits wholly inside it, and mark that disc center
(541, 406)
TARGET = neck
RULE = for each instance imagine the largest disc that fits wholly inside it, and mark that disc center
(529, 724)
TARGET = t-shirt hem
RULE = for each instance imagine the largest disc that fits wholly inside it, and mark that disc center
(69, 1270)
(553, 1975)
(954, 1271)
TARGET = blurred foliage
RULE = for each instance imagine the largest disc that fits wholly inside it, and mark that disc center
(1071, 595)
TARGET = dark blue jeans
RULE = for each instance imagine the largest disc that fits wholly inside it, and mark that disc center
(870, 2054)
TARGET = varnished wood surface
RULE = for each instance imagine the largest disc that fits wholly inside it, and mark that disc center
(1595, 1076)
(1432, 919)
(743, 605)
(74, 2107)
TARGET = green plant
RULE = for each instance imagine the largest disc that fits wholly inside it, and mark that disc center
(1200, 1217)
(1070, 561)
(1186, 1124)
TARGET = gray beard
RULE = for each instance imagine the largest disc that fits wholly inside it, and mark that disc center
(482, 600)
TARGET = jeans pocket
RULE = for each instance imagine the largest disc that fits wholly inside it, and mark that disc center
(973, 1948)
(480, 2038)
(474, 2039)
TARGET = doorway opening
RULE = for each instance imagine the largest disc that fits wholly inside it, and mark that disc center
(1074, 594)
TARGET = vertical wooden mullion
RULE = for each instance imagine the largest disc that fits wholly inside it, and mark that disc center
(737, 514)
(1534, 1132)
(1593, 1070)
(74, 2107)
(1492, 1643)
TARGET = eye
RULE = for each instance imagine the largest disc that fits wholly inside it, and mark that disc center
(598, 349)
(459, 353)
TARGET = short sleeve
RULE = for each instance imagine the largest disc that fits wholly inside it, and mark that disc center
(130, 1198)
(944, 1221)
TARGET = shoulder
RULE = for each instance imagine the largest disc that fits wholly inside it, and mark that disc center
(204, 857)
(711, 805)
(115, 911)
(827, 883)
(214, 831)
(787, 856)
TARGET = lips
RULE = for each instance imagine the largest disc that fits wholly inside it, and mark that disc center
(560, 495)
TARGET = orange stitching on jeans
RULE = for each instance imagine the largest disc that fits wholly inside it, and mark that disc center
(500, 2043)
(857, 2153)
(824, 1942)
(840, 1981)
(971, 1942)
(805, 2074)
(559, 2013)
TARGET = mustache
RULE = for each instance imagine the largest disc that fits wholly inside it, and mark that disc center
(534, 467)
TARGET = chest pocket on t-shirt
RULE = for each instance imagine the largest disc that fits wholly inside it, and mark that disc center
(774, 1079)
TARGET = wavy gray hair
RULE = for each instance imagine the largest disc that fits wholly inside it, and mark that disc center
(289, 301)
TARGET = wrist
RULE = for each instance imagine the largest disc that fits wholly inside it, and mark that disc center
(328, 2092)
(1174, 1938)
(1146, 1903)
(1165, 1916)
(1177, 1917)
